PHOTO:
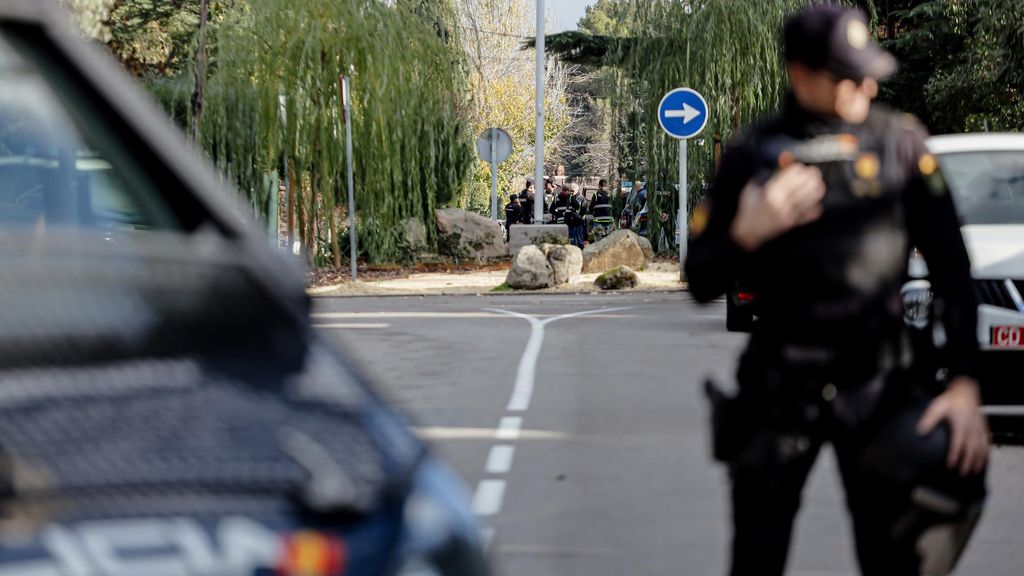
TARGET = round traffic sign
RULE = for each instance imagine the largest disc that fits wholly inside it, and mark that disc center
(502, 145)
(683, 113)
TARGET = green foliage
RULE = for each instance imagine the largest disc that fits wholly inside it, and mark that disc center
(274, 97)
(609, 18)
(962, 64)
(729, 55)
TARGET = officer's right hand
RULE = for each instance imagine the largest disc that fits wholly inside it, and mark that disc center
(790, 198)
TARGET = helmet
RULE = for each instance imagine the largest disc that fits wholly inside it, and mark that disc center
(942, 507)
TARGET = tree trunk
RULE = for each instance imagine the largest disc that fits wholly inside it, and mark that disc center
(200, 78)
(292, 195)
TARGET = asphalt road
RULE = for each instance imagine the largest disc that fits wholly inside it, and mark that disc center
(577, 424)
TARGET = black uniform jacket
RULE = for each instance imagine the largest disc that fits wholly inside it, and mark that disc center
(838, 279)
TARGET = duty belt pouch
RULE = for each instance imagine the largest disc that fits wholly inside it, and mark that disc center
(730, 423)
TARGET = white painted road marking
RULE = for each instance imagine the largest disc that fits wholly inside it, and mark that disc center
(351, 326)
(429, 315)
(455, 433)
(410, 314)
(499, 460)
(508, 428)
(488, 497)
(527, 372)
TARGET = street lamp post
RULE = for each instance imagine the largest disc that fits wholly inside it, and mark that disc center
(538, 204)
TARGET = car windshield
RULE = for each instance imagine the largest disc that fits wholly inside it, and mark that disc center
(988, 186)
(60, 166)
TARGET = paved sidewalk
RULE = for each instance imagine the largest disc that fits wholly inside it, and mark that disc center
(657, 277)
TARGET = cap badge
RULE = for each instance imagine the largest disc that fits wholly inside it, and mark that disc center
(857, 34)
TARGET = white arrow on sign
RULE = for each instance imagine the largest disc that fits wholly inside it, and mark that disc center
(687, 113)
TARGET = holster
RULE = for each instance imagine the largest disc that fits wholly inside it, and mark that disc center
(731, 422)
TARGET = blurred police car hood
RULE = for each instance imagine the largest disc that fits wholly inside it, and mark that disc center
(996, 250)
(154, 374)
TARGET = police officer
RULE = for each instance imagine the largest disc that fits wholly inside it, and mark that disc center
(815, 210)
(526, 199)
(513, 213)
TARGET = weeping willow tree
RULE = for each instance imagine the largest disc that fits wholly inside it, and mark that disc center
(273, 107)
(728, 51)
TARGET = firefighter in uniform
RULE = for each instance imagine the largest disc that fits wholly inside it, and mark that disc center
(601, 208)
(815, 210)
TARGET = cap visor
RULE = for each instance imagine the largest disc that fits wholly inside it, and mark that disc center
(872, 63)
(880, 65)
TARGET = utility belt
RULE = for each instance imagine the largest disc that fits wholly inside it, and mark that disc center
(788, 388)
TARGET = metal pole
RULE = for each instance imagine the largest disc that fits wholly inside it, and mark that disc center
(346, 97)
(683, 218)
(494, 174)
(538, 183)
(287, 207)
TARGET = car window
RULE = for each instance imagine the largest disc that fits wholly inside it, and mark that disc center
(55, 173)
(988, 186)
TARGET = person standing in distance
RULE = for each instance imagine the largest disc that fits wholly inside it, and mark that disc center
(815, 211)
(526, 198)
(513, 214)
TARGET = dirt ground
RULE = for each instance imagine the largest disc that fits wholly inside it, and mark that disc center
(660, 276)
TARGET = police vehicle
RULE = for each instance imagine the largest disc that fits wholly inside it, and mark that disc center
(986, 175)
(166, 407)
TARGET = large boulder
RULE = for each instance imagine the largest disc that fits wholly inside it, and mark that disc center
(469, 235)
(620, 248)
(617, 278)
(645, 245)
(530, 270)
(520, 235)
(566, 262)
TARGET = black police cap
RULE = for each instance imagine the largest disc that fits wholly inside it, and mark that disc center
(836, 39)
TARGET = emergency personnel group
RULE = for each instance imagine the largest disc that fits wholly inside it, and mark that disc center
(565, 205)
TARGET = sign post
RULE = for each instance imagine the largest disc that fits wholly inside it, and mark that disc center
(494, 145)
(683, 113)
(347, 117)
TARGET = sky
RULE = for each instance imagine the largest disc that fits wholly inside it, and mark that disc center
(564, 14)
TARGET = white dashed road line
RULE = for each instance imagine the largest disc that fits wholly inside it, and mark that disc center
(508, 428)
(488, 497)
(499, 460)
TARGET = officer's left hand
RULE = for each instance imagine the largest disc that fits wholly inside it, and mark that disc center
(960, 405)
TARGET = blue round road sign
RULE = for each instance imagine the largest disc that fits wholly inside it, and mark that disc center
(683, 113)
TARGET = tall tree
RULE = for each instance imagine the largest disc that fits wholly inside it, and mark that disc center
(501, 86)
(273, 98)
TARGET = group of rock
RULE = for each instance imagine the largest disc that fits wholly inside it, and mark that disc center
(549, 260)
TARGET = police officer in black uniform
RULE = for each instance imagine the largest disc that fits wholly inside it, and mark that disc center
(815, 210)
(513, 213)
(526, 199)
